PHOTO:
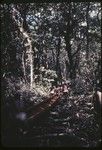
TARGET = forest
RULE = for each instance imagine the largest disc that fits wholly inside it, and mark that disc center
(46, 47)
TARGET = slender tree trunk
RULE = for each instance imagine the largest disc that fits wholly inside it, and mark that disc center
(31, 67)
(23, 64)
(87, 35)
(58, 68)
(71, 63)
(69, 31)
(53, 57)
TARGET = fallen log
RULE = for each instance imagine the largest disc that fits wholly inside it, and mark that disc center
(34, 112)
(43, 107)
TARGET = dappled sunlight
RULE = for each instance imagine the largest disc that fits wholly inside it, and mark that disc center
(51, 74)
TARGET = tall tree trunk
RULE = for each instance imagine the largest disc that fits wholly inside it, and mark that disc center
(58, 68)
(23, 64)
(31, 66)
(27, 45)
(68, 34)
(87, 35)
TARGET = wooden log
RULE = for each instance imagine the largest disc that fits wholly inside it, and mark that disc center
(34, 114)
(42, 107)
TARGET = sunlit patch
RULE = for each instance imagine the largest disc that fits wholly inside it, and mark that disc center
(93, 14)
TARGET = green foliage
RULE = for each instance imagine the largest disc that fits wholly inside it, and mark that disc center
(47, 76)
(50, 74)
(47, 24)
(57, 41)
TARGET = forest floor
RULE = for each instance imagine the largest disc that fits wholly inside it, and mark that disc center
(71, 123)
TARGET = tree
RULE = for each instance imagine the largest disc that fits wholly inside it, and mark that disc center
(27, 42)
